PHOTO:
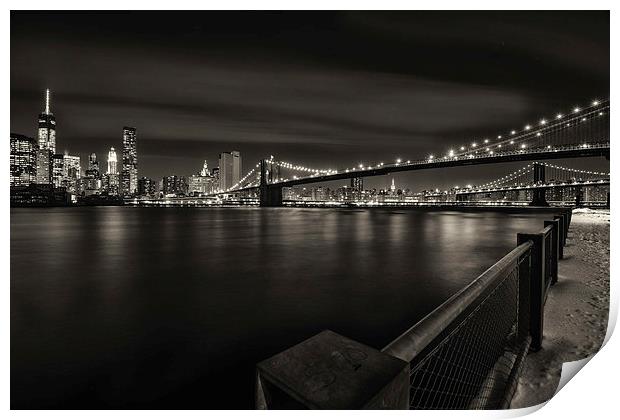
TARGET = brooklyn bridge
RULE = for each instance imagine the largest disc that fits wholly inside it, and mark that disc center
(576, 133)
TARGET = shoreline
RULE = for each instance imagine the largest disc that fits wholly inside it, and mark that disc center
(577, 308)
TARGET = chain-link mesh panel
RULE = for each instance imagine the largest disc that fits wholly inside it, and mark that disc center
(471, 365)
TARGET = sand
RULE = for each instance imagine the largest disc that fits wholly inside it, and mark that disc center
(577, 308)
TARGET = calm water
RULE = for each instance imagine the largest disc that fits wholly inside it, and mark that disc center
(118, 307)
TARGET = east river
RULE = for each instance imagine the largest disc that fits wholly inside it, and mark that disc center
(121, 307)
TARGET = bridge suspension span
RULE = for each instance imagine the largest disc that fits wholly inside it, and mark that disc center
(580, 132)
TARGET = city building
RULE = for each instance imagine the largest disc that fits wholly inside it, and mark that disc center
(202, 183)
(215, 173)
(47, 127)
(44, 166)
(357, 184)
(46, 140)
(93, 165)
(345, 194)
(110, 184)
(173, 186)
(58, 170)
(320, 194)
(129, 174)
(72, 174)
(229, 169)
(23, 160)
(146, 187)
(91, 185)
(205, 169)
(112, 168)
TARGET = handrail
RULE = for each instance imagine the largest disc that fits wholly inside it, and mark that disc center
(546, 230)
(413, 341)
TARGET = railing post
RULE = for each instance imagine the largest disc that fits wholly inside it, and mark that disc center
(566, 218)
(561, 239)
(537, 288)
(555, 248)
(565, 232)
(329, 371)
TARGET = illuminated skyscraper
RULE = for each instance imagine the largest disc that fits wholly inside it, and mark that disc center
(46, 139)
(72, 167)
(58, 170)
(112, 162)
(91, 183)
(47, 127)
(205, 169)
(72, 172)
(93, 165)
(23, 160)
(44, 166)
(202, 183)
(110, 180)
(129, 174)
(357, 184)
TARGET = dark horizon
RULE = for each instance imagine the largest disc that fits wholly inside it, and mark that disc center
(324, 89)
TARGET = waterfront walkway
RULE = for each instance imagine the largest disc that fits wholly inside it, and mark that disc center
(576, 311)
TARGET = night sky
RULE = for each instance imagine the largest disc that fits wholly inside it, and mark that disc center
(323, 89)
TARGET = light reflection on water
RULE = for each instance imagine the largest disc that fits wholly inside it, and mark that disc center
(172, 307)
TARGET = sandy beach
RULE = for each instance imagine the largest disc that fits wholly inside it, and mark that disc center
(577, 308)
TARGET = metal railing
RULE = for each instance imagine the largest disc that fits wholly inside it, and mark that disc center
(462, 354)
(468, 352)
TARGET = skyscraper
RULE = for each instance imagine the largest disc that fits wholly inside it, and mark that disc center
(205, 169)
(58, 170)
(202, 183)
(129, 174)
(47, 143)
(23, 160)
(173, 185)
(112, 161)
(110, 182)
(230, 169)
(91, 183)
(72, 167)
(236, 167)
(47, 127)
(93, 165)
(357, 184)
(146, 187)
(72, 173)
(44, 166)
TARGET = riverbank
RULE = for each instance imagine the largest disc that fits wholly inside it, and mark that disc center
(577, 308)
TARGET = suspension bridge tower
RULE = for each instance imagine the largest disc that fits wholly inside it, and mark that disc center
(538, 194)
(270, 196)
